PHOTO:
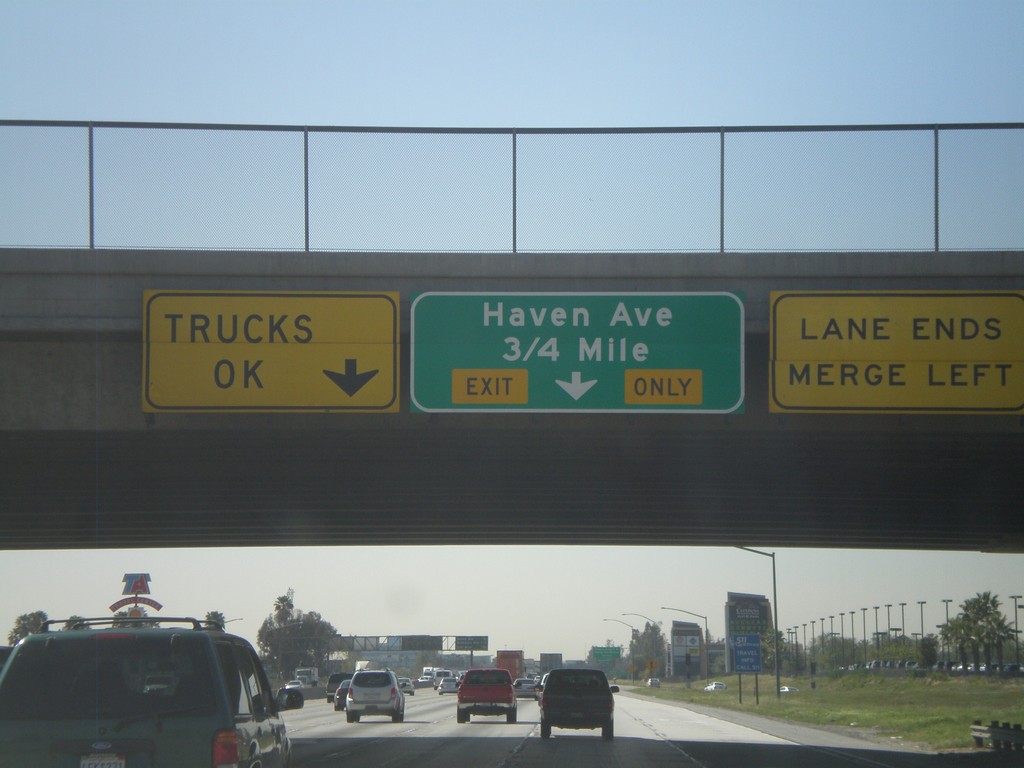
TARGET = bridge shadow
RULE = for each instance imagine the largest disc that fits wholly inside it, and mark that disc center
(803, 756)
(373, 747)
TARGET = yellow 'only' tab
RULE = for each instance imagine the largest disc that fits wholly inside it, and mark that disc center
(664, 387)
(491, 386)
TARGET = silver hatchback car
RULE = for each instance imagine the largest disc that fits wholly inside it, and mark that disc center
(374, 692)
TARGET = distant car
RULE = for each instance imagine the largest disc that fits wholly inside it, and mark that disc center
(447, 685)
(424, 681)
(526, 688)
(578, 698)
(405, 683)
(715, 686)
(340, 695)
(442, 674)
(334, 681)
(653, 682)
(374, 692)
(294, 684)
(788, 689)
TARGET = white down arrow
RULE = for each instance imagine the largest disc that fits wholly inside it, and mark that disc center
(576, 388)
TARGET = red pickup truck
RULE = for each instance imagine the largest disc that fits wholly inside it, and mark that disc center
(486, 692)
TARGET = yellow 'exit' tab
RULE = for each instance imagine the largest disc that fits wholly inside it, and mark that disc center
(498, 386)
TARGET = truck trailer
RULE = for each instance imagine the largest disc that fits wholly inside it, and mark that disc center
(510, 660)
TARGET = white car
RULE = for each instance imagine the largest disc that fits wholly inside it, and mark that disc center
(788, 689)
(447, 685)
(405, 683)
(526, 688)
(374, 692)
(715, 686)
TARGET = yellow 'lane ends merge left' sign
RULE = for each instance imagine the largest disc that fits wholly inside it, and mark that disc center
(897, 351)
(270, 351)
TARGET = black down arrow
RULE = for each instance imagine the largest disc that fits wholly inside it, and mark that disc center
(350, 382)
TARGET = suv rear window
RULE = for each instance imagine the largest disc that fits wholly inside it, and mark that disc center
(107, 675)
(576, 680)
(371, 679)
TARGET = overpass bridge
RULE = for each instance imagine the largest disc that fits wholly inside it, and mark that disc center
(87, 465)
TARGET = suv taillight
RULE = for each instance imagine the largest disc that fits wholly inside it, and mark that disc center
(225, 749)
(394, 692)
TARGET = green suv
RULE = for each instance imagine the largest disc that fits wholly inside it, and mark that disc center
(121, 693)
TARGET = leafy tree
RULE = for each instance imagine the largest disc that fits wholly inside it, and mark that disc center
(290, 638)
(25, 625)
(216, 617)
(648, 646)
(928, 651)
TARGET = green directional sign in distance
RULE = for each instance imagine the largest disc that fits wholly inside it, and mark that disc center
(577, 352)
(606, 654)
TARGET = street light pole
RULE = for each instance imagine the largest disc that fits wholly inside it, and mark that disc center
(864, 632)
(842, 638)
(805, 643)
(945, 642)
(1016, 630)
(903, 618)
(922, 604)
(775, 606)
(812, 641)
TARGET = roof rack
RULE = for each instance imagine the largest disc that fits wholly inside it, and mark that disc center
(79, 622)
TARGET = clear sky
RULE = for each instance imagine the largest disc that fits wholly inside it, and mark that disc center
(528, 63)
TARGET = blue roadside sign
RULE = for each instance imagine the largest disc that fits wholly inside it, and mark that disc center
(746, 654)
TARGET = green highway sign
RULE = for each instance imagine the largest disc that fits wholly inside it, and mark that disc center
(606, 654)
(577, 352)
(471, 642)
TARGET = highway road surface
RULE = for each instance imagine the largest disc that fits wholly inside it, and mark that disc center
(648, 734)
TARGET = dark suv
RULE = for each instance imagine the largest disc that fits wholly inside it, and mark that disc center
(577, 698)
(333, 682)
(121, 692)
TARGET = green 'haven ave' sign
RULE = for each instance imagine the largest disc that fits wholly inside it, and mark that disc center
(579, 352)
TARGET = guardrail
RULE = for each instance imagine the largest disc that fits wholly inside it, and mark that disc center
(1001, 736)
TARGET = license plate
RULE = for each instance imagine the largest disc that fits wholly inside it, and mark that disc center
(103, 761)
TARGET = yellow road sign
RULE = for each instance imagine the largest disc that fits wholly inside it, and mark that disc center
(897, 351)
(270, 351)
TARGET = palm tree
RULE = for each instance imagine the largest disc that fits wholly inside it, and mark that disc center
(956, 634)
(216, 617)
(283, 607)
(988, 627)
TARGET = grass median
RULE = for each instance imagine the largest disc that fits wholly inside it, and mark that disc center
(934, 710)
